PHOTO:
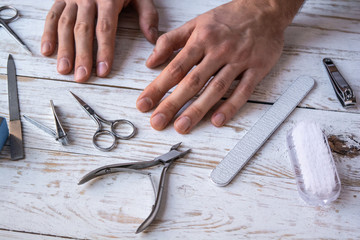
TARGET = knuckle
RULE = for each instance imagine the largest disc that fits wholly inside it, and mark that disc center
(206, 34)
(170, 106)
(52, 15)
(107, 4)
(151, 14)
(176, 70)
(156, 90)
(104, 26)
(197, 111)
(219, 85)
(193, 83)
(86, 4)
(246, 91)
(225, 48)
(82, 28)
(231, 109)
(164, 40)
(110, 7)
(65, 22)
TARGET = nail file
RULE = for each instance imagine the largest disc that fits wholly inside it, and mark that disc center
(16, 140)
(237, 158)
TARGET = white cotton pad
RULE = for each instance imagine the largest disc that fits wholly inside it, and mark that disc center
(314, 167)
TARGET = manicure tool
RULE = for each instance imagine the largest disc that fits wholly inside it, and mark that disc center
(59, 135)
(342, 89)
(237, 158)
(166, 159)
(16, 141)
(4, 23)
(4, 132)
(113, 133)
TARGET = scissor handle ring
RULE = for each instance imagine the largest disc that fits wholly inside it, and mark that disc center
(104, 132)
(13, 18)
(123, 121)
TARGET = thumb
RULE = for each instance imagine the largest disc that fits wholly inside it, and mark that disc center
(148, 19)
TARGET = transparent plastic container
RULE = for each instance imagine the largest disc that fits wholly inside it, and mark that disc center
(315, 171)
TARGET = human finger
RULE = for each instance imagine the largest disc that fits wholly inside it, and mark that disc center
(168, 43)
(65, 57)
(148, 19)
(169, 77)
(210, 96)
(106, 27)
(187, 89)
(49, 37)
(237, 99)
(84, 36)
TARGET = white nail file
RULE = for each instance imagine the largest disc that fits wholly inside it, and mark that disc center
(237, 158)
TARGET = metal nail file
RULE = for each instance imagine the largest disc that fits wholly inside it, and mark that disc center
(16, 141)
(237, 158)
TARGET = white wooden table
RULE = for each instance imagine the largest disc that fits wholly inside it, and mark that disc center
(40, 198)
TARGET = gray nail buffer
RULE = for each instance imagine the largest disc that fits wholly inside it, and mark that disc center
(237, 158)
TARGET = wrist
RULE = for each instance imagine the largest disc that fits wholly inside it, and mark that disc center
(286, 9)
(279, 12)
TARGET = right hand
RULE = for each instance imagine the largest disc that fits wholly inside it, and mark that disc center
(71, 24)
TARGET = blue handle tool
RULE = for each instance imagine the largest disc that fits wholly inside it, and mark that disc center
(4, 132)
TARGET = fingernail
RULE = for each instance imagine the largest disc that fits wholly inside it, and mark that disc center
(63, 65)
(159, 121)
(149, 58)
(102, 68)
(144, 104)
(80, 74)
(45, 48)
(183, 124)
(219, 119)
(154, 33)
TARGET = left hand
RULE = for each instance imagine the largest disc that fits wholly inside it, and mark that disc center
(239, 38)
(70, 24)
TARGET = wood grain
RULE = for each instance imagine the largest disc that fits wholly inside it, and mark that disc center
(41, 199)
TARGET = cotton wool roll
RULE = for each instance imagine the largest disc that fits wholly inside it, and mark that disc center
(315, 171)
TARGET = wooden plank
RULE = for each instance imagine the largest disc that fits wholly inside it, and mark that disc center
(29, 236)
(113, 103)
(40, 195)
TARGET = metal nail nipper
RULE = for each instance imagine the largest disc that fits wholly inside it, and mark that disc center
(166, 160)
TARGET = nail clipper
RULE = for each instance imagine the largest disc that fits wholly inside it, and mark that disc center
(342, 89)
(59, 133)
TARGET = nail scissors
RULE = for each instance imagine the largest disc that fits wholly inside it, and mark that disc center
(59, 134)
(4, 23)
(166, 159)
(113, 125)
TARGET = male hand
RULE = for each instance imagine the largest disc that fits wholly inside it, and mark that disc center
(71, 24)
(243, 37)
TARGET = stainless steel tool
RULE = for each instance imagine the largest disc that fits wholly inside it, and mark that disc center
(59, 134)
(114, 126)
(166, 160)
(4, 23)
(16, 140)
(342, 89)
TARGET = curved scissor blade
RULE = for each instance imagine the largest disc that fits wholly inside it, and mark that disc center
(84, 105)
